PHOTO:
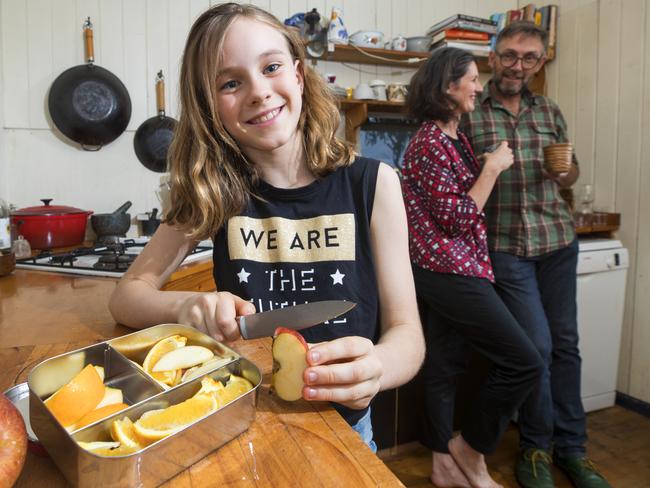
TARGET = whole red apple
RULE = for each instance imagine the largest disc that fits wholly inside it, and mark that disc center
(13, 443)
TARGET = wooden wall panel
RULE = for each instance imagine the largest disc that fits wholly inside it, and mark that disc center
(607, 95)
(586, 71)
(135, 60)
(179, 25)
(640, 354)
(632, 186)
(628, 154)
(15, 63)
(39, 59)
(66, 37)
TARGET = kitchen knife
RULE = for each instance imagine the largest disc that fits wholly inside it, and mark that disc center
(297, 317)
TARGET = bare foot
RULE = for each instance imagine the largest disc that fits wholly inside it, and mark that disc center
(446, 473)
(471, 463)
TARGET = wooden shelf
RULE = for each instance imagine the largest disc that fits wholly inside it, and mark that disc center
(596, 229)
(598, 223)
(383, 57)
(356, 111)
(373, 105)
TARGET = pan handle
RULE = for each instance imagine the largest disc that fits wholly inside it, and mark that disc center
(88, 39)
(160, 93)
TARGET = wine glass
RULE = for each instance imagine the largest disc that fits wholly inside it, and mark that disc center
(586, 199)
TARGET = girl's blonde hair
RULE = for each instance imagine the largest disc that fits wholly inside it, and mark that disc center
(211, 179)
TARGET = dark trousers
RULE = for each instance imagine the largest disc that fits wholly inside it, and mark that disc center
(541, 294)
(460, 312)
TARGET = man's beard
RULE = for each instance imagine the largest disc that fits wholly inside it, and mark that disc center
(504, 87)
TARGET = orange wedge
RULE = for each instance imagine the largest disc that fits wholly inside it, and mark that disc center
(122, 431)
(99, 413)
(235, 388)
(161, 348)
(78, 397)
(212, 388)
(120, 450)
(157, 424)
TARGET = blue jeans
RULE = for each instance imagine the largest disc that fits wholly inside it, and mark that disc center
(541, 293)
(364, 429)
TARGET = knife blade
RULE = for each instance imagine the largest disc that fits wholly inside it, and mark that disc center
(263, 324)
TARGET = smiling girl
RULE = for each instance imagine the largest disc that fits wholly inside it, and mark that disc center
(295, 217)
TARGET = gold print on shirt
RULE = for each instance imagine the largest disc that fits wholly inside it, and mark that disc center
(276, 239)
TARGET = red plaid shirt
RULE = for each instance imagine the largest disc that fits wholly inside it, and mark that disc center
(447, 233)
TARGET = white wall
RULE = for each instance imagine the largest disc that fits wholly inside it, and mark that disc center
(601, 79)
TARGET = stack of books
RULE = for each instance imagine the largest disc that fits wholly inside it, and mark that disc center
(464, 32)
(545, 17)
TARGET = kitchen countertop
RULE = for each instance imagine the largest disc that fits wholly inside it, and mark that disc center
(44, 314)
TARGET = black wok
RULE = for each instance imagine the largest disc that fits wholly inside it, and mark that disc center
(153, 137)
(88, 103)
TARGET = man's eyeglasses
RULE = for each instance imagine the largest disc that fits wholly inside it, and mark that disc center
(509, 59)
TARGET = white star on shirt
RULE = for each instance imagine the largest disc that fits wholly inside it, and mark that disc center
(243, 276)
(337, 277)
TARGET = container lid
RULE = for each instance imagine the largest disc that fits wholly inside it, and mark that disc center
(48, 209)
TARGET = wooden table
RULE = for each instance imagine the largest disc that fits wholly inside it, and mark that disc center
(289, 444)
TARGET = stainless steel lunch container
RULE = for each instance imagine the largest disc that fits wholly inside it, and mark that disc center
(162, 459)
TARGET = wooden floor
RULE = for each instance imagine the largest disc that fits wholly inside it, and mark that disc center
(619, 445)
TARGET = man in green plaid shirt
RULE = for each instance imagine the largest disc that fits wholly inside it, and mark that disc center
(534, 253)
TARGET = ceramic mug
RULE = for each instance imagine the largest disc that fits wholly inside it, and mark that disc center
(364, 92)
(379, 89)
(397, 92)
(399, 43)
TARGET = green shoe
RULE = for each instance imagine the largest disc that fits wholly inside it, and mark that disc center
(533, 469)
(582, 472)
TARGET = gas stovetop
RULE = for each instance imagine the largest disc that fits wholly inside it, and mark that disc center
(109, 260)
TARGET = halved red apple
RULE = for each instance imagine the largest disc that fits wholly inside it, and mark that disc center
(289, 352)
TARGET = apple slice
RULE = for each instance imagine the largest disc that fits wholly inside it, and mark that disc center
(111, 396)
(212, 364)
(289, 362)
(182, 358)
(100, 372)
(92, 446)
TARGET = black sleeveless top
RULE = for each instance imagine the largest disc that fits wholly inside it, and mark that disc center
(301, 245)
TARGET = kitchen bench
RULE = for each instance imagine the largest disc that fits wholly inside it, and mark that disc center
(289, 444)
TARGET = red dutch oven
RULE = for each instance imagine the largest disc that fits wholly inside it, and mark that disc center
(48, 226)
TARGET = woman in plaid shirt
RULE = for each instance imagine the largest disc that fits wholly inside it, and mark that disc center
(445, 193)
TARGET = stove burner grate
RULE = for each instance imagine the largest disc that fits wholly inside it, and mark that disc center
(118, 262)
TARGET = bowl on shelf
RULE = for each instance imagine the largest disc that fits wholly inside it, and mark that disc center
(373, 39)
(420, 44)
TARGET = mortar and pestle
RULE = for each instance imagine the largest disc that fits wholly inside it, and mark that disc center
(150, 225)
(114, 224)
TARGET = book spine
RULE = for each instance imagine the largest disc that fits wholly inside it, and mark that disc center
(482, 48)
(451, 22)
(477, 26)
(465, 34)
(544, 11)
(529, 12)
(552, 31)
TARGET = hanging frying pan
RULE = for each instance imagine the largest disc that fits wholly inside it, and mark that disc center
(88, 103)
(153, 137)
